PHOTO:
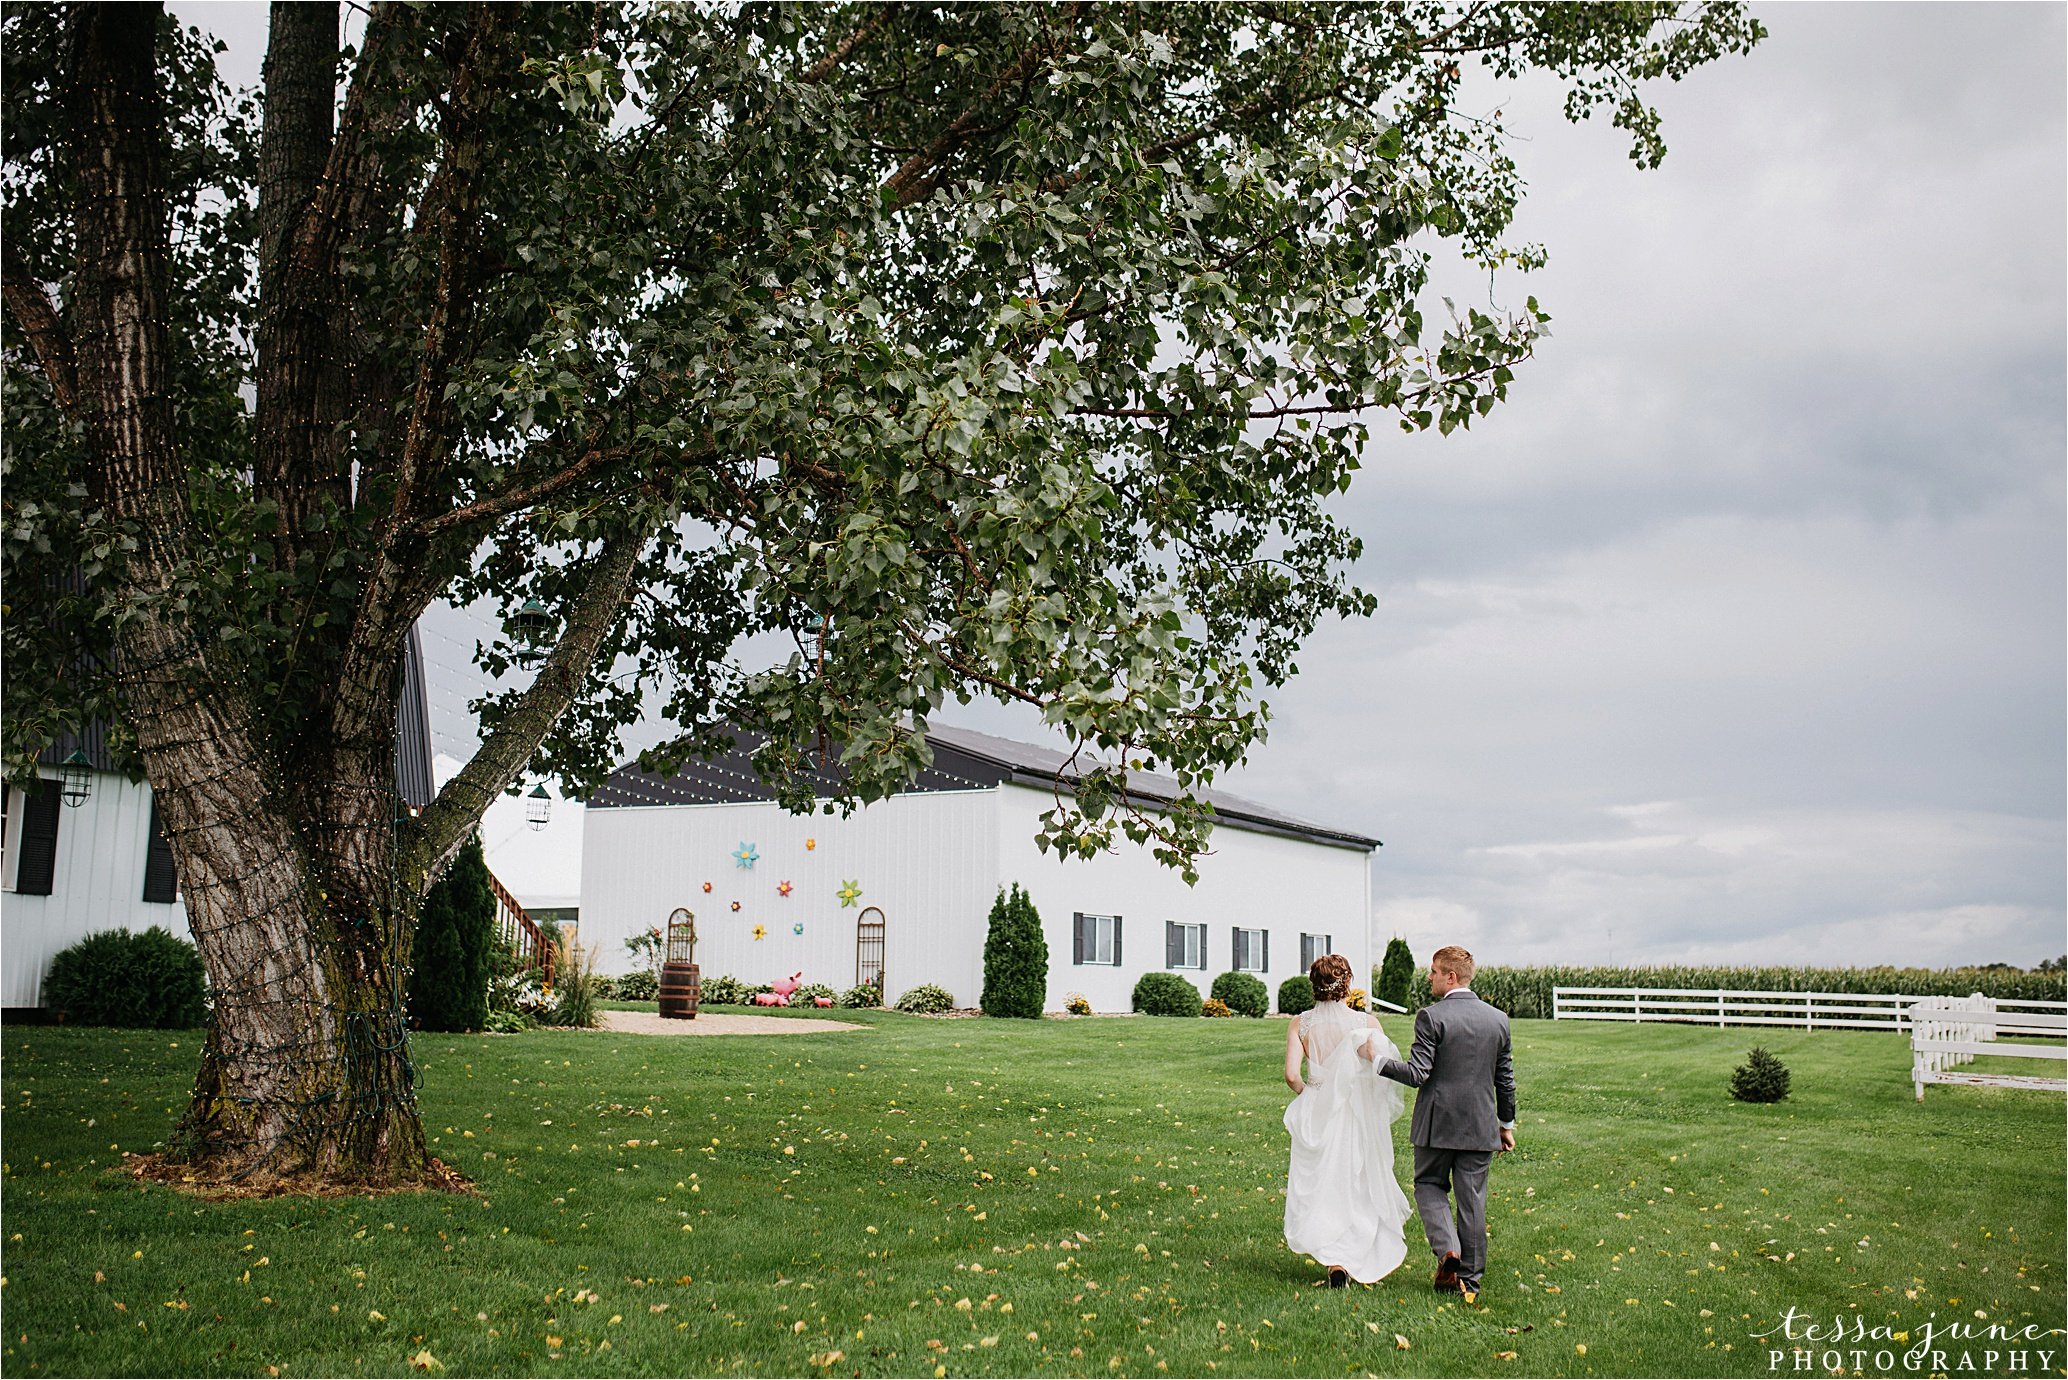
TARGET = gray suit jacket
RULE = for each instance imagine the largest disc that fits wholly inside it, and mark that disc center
(1460, 1062)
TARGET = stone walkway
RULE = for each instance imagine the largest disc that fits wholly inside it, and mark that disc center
(709, 1023)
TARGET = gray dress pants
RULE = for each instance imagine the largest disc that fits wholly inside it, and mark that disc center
(1440, 1175)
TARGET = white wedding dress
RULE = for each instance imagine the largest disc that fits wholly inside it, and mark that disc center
(1343, 1205)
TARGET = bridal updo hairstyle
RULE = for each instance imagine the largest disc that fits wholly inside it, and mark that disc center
(1330, 975)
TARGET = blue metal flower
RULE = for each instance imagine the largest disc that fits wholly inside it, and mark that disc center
(746, 855)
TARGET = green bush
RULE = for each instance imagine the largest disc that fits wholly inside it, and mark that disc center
(1243, 993)
(1395, 973)
(721, 991)
(1295, 994)
(575, 985)
(455, 931)
(639, 986)
(1015, 958)
(1166, 994)
(1761, 1078)
(504, 1022)
(926, 1000)
(148, 981)
(809, 993)
(862, 998)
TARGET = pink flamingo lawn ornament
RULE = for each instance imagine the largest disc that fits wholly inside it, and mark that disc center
(781, 995)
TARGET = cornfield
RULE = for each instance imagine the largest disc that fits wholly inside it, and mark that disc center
(1526, 992)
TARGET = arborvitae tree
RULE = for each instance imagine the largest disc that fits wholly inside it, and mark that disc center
(1396, 971)
(1015, 958)
(448, 990)
(1761, 1078)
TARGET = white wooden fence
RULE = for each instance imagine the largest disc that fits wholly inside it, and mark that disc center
(1947, 1033)
(1711, 1006)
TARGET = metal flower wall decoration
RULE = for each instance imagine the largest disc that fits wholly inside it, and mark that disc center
(761, 931)
(746, 855)
(849, 893)
(782, 888)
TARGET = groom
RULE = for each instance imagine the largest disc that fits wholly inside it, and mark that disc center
(1464, 1112)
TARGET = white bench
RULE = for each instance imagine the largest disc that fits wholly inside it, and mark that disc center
(1947, 1033)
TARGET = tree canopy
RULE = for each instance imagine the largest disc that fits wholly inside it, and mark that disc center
(1009, 350)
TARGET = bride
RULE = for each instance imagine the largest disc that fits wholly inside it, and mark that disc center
(1342, 1204)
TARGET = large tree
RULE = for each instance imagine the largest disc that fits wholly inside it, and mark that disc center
(1008, 350)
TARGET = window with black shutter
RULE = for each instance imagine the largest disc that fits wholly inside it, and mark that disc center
(161, 879)
(1313, 946)
(1095, 939)
(1252, 951)
(38, 866)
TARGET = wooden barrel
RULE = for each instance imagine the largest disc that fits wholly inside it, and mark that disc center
(680, 991)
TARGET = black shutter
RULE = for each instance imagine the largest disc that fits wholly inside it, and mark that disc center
(38, 866)
(161, 878)
(1235, 949)
(1077, 937)
(1116, 941)
(1171, 952)
(1265, 966)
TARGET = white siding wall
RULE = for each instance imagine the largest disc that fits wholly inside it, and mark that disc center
(1252, 880)
(98, 885)
(930, 861)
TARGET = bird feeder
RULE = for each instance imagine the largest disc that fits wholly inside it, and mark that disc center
(538, 808)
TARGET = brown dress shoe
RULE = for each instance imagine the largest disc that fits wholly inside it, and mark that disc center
(1338, 1277)
(1446, 1281)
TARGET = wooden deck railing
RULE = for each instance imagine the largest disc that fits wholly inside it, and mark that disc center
(519, 931)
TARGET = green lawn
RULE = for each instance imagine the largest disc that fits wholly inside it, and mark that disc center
(968, 1197)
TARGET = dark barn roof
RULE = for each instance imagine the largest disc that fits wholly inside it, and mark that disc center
(963, 760)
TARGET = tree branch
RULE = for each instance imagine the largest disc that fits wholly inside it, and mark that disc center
(827, 65)
(29, 303)
(445, 822)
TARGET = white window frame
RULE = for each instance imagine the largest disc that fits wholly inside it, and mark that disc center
(1251, 949)
(1192, 944)
(11, 846)
(1098, 939)
(1328, 946)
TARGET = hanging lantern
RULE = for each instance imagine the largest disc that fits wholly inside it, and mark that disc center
(530, 630)
(538, 808)
(76, 779)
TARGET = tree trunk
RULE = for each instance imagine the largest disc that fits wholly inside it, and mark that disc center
(289, 883)
(306, 1075)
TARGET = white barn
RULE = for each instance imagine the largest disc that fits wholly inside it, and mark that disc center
(68, 871)
(924, 867)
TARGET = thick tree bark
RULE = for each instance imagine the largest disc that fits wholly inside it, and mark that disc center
(299, 923)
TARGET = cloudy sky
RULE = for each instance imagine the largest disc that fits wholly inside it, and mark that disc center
(1737, 635)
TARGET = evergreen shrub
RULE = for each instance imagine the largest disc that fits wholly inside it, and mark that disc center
(455, 932)
(1295, 994)
(1761, 1078)
(1244, 993)
(148, 981)
(1166, 994)
(1396, 971)
(1015, 958)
